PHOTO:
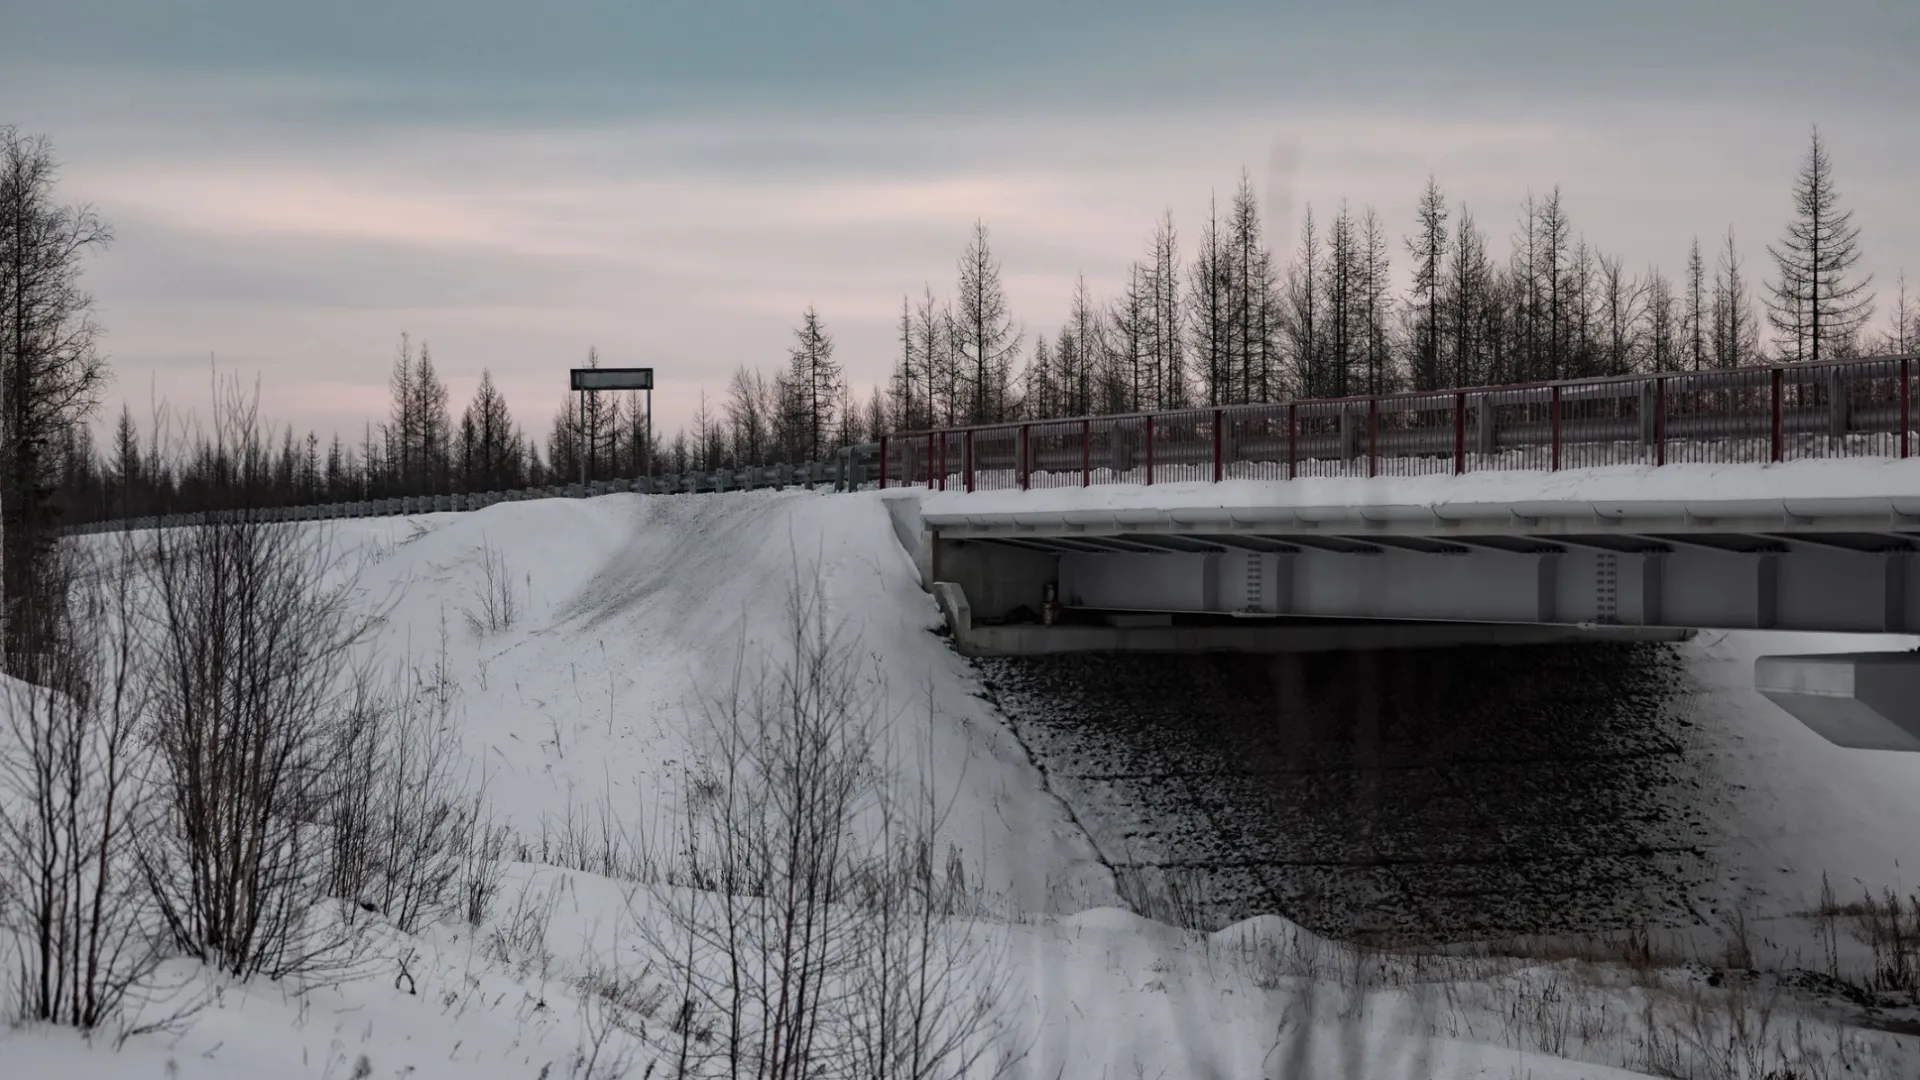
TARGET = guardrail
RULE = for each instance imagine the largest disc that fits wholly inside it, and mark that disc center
(1847, 408)
(852, 469)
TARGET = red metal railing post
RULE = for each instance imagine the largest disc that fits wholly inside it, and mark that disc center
(967, 460)
(1086, 453)
(883, 463)
(1218, 414)
(1906, 402)
(1149, 448)
(1026, 463)
(1293, 426)
(1459, 432)
(1660, 420)
(1556, 427)
(1776, 437)
(1373, 436)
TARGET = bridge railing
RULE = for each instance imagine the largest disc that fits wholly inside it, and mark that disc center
(1783, 412)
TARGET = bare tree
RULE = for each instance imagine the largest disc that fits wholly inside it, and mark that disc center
(788, 938)
(749, 410)
(51, 372)
(73, 772)
(252, 634)
(401, 819)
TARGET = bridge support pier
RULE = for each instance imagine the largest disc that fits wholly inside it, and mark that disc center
(1865, 701)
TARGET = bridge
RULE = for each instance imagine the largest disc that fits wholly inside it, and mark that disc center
(1638, 508)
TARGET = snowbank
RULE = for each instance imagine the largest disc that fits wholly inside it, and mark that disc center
(634, 610)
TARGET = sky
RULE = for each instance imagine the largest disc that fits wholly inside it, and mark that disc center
(294, 185)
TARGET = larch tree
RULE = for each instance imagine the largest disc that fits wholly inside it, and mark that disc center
(985, 341)
(1428, 249)
(1816, 305)
(1469, 286)
(1304, 315)
(1080, 351)
(1166, 344)
(1341, 303)
(909, 398)
(1555, 244)
(127, 475)
(599, 428)
(1376, 305)
(1697, 335)
(814, 382)
(432, 427)
(492, 449)
(1663, 330)
(403, 423)
(1903, 335)
(1210, 321)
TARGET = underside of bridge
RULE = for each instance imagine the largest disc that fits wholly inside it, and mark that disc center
(1356, 578)
(1839, 582)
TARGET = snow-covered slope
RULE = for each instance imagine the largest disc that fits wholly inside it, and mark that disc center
(635, 611)
(635, 608)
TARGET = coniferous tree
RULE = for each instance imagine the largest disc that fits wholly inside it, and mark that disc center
(879, 418)
(1165, 344)
(1694, 319)
(1428, 248)
(1130, 346)
(431, 428)
(1554, 245)
(1663, 337)
(1469, 287)
(1816, 307)
(1040, 397)
(984, 339)
(1903, 336)
(1210, 317)
(566, 451)
(1344, 333)
(1304, 316)
(127, 474)
(1079, 353)
(1376, 305)
(813, 378)
(492, 445)
(1621, 300)
(402, 435)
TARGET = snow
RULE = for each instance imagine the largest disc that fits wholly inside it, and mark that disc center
(1875, 478)
(634, 609)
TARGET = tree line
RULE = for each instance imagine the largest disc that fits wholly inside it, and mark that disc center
(1223, 321)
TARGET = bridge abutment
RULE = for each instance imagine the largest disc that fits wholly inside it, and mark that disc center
(1866, 701)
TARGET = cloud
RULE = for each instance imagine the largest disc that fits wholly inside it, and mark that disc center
(673, 182)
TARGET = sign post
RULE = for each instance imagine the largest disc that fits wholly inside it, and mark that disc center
(593, 379)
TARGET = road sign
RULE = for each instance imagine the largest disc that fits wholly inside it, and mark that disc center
(611, 378)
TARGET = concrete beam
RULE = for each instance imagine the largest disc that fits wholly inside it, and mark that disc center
(1535, 518)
